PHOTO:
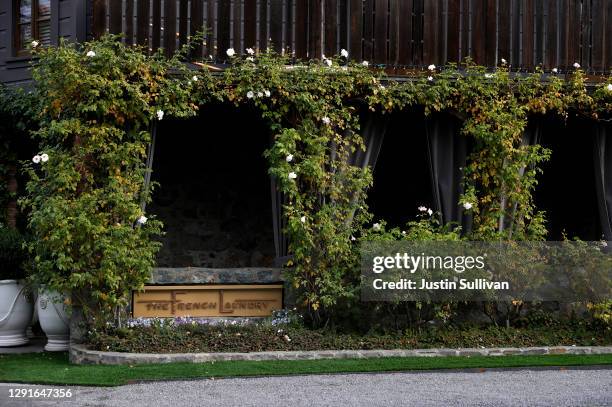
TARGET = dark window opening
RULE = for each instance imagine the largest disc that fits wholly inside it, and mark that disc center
(566, 190)
(32, 22)
(402, 180)
(214, 195)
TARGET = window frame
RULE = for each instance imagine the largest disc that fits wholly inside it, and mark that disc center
(34, 22)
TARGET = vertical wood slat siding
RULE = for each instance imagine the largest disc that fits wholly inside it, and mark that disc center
(301, 29)
(263, 25)
(210, 28)
(223, 28)
(431, 31)
(479, 35)
(331, 27)
(598, 27)
(528, 38)
(505, 30)
(115, 25)
(155, 32)
(250, 24)
(368, 29)
(380, 31)
(142, 22)
(394, 38)
(236, 27)
(490, 58)
(196, 24)
(397, 33)
(169, 26)
(585, 33)
(608, 37)
(356, 37)
(314, 29)
(453, 34)
(276, 24)
(417, 32)
(129, 21)
(183, 21)
(552, 46)
(98, 24)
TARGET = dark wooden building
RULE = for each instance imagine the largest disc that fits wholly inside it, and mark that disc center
(399, 34)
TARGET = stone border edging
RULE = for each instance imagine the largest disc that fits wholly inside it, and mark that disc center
(79, 354)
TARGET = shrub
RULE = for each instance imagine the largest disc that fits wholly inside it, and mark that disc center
(12, 254)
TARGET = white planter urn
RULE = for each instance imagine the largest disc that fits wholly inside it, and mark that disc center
(54, 320)
(16, 311)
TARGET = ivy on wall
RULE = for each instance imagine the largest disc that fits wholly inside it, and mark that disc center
(99, 100)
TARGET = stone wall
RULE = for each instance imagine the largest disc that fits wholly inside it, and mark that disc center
(214, 195)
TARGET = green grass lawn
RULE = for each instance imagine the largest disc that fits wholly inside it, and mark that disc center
(50, 368)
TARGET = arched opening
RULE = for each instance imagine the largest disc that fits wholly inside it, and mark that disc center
(214, 194)
(402, 179)
(566, 190)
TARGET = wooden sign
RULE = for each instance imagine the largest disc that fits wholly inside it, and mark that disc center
(208, 301)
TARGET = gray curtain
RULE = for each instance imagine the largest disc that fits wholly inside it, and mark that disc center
(373, 129)
(150, 154)
(281, 243)
(447, 150)
(602, 159)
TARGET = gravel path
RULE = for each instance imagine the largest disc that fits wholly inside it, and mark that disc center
(554, 387)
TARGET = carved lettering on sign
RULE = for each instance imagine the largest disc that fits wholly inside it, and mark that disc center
(208, 301)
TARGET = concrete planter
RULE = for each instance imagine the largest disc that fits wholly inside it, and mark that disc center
(54, 320)
(16, 311)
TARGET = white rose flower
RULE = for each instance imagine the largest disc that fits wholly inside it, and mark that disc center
(44, 157)
(250, 59)
(35, 44)
(250, 51)
(91, 54)
(365, 63)
(292, 175)
(403, 233)
(376, 227)
(160, 114)
(429, 212)
(328, 62)
(609, 87)
(576, 65)
(431, 67)
(604, 244)
(289, 158)
(344, 53)
(142, 220)
(250, 94)
(503, 61)
(36, 159)
(230, 52)
(326, 120)
(467, 205)
(422, 209)
(194, 78)
(303, 219)
(555, 70)
(267, 93)
(430, 78)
